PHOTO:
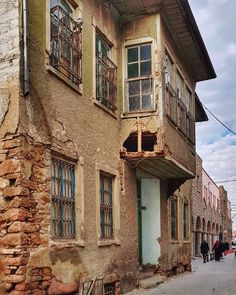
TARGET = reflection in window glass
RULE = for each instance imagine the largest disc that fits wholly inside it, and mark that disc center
(145, 52)
(132, 54)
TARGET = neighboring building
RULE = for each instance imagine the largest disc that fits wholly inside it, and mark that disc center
(226, 215)
(206, 210)
(97, 141)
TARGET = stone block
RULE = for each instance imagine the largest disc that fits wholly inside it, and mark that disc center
(4, 183)
(23, 286)
(22, 270)
(3, 157)
(46, 271)
(8, 144)
(151, 282)
(58, 288)
(38, 292)
(25, 227)
(15, 214)
(14, 239)
(26, 202)
(15, 278)
(15, 191)
(10, 166)
(15, 261)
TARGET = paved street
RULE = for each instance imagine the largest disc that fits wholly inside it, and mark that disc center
(212, 278)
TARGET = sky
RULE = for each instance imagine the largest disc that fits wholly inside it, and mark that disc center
(215, 144)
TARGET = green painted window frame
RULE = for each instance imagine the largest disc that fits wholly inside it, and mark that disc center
(62, 199)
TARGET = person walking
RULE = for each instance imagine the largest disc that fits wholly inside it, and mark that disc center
(218, 248)
(204, 251)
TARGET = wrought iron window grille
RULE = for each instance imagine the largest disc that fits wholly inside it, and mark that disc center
(106, 207)
(62, 199)
(106, 81)
(66, 44)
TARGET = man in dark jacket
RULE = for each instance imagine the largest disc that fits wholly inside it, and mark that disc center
(204, 251)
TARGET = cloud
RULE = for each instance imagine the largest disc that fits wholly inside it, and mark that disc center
(215, 144)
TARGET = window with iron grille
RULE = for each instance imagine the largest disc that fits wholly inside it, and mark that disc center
(185, 221)
(106, 206)
(106, 75)
(63, 199)
(174, 218)
(66, 41)
(139, 82)
(109, 289)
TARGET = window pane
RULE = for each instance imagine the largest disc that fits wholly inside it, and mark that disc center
(133, 70)
(145, 52)
(134, 87)
(146, 102)
(145, 68)
(132, 54)
(146, 86)
(134, 103)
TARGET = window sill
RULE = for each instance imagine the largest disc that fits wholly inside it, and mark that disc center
(103, 107)
(63, 78)
(67, 243)
(174, 242)
(139, 114)
(186, 242)
(108, 243)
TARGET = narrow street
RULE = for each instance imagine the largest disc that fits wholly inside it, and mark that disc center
(212, 278)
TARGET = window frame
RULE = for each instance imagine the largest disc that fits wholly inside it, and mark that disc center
(70, 73)
(56, 198)
(133, 44)
(106, 218)
(185, 221)
(174, 236)
(105, 73)
(107, 170)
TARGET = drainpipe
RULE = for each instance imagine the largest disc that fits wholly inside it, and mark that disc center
(25, 42)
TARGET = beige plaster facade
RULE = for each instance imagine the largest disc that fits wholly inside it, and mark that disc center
(62, 120)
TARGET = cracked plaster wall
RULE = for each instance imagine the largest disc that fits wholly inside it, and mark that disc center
(9, 65)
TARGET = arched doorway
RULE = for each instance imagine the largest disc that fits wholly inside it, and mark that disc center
(198, 236)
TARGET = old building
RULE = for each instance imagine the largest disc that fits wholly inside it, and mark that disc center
(206, 210)
(97, 141)
(226, 215)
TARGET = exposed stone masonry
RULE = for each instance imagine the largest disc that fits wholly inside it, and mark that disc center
(24, 212)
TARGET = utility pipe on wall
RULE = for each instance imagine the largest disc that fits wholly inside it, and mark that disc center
(25, 42)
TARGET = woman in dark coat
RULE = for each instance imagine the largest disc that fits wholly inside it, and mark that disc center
(204, 251)
(218, 250)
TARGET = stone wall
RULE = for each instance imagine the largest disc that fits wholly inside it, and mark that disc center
(24, 208)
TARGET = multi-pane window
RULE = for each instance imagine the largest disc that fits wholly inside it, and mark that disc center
(139, 82)
(169, 73)
(181, 109)
(185, 221)
(189, 116)
(106, 75)
(106, 206)
(66, 41)
(62, 199)
(174, 218)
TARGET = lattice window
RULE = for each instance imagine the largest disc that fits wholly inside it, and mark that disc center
(174, 218)
(66, 42)
(139, 82)
(106, 76)
(106, 206)
(63, 199)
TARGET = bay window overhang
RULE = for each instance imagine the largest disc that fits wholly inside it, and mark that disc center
(158, 165)
(179, 19)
